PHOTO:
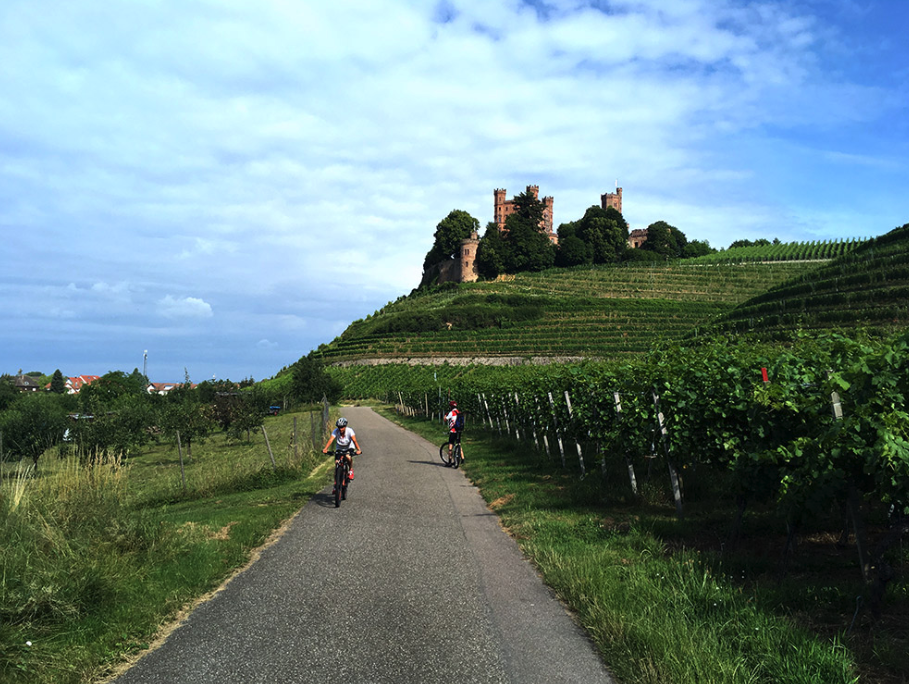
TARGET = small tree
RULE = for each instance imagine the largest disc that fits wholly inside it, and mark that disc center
(605, 233)
(697, 248)
(491, 253)
(58, 383)
(450, 231)
(311, 382)
(573, 251)
(666, 240)
(8, 392)
(529, 249)
(32, 425)
(190, 419)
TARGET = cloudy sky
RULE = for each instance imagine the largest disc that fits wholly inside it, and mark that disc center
(227, 184)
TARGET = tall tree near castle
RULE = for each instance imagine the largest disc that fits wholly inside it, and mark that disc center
(599, 237)
(457, 226)
(526, 246)
(490, 252)
(665, 240)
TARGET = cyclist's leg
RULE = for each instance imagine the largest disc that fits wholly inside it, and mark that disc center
(452, 437)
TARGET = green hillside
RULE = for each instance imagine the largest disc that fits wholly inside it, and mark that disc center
(783, 251)
(603, 311)
(867, 287)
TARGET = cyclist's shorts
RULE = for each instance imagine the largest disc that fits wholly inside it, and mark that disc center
(453, 437)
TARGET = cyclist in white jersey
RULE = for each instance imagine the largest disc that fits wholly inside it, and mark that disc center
(344, 436)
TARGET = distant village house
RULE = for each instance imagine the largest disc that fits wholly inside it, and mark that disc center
(26, 383)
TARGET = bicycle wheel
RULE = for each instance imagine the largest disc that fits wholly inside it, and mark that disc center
(456, 455)
(339, 482)
(443, 452)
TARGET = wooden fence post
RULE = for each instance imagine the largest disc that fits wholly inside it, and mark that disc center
(271, 455)
(182, 471)
(296, 452)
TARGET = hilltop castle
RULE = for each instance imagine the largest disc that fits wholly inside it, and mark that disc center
(503, 208)
(463, 269)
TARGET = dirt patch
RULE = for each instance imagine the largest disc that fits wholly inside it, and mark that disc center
(501, 501)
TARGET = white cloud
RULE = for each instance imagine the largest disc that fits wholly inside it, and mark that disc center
(286, 154)
(185, 307)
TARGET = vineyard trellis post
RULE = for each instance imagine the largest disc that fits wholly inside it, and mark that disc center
(664, 440)
(628, 462)
(536, 401)
(597, 447)
(533, 429)
(852, 500)
(577, 442)
(517, 417)
(555, 423)
(504, 403)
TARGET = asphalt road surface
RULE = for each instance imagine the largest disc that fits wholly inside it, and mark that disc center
(411, 581)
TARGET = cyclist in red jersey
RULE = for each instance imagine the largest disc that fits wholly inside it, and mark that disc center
(453, 434)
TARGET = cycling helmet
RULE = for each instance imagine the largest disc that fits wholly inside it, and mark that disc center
(452, 404)
(342, 422)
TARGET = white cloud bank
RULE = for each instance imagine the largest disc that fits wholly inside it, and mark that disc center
(289, 161)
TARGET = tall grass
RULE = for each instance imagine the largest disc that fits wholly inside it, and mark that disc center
(95, 558)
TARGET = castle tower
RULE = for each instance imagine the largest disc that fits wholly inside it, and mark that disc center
(547, 220)
(503, 208)
(499, 213)
(469, 257)
(611, 199)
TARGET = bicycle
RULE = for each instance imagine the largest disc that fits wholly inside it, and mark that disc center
(456, 458)
(342, 474)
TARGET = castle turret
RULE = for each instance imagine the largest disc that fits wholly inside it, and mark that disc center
(612, 199)
(468, 259)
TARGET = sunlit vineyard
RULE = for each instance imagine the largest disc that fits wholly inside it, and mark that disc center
(813, 250)
(803, 428)
(868, 286)
(603, 312)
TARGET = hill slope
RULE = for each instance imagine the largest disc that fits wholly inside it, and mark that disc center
(866, 287)
(601, 311)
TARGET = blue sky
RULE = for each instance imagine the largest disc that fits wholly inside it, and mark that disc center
(229, 184)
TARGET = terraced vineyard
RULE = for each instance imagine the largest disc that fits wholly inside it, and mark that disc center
(602, 311)
(868, 286)
(784, 251)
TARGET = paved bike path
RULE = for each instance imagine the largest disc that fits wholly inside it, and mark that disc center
(411, 581)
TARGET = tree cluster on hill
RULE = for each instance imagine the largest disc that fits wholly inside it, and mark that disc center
(760, 242)
(599, 237)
